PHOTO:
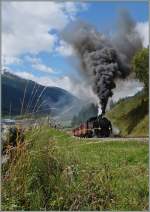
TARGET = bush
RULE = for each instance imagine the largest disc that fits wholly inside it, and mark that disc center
(140, 66)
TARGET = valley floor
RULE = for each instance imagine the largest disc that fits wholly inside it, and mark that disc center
(54, 171)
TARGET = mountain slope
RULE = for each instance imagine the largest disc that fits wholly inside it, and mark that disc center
(19, 94)
(130, 115)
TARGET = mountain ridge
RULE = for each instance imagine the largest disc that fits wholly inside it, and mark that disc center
(18, 94)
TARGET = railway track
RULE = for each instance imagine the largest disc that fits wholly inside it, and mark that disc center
(115, 139)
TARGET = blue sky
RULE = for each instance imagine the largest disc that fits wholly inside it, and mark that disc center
(32, 46)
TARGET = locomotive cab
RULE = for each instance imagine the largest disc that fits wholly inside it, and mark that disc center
(101, 126)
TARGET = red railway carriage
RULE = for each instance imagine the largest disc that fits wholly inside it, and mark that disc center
(80, 131)
(77, 132)
(84, 130)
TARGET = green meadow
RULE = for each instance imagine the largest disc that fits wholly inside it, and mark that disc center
(54, 171)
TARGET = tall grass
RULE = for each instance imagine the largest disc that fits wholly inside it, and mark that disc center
(36, 104)
(24, 95)
(53, 171)
(31, 97)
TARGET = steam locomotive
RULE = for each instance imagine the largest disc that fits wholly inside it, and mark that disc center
(98, 126)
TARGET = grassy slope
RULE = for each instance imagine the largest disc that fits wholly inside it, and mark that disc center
(57, 172)
(131, 115)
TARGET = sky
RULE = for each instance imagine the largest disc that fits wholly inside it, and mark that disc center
(33, 47)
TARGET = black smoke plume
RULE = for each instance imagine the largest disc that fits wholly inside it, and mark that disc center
(103, 61)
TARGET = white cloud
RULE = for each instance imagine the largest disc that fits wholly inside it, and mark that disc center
(128, 87)
(73, 9)
(63, 82)
(42, 67)
(7, 60)
(64, 49)
(26, 26)
(25, 75)
(37, 64)
(143, 30)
